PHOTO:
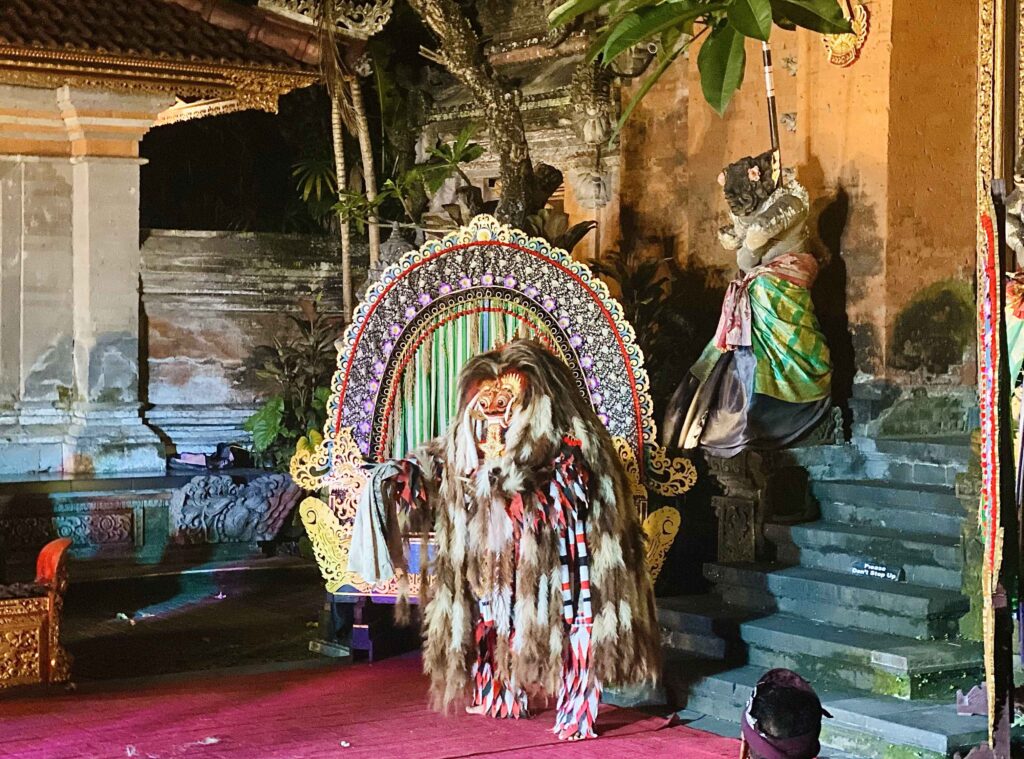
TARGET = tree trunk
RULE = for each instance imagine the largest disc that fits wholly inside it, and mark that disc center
(338, 139)
(461, 53)
(369, 174)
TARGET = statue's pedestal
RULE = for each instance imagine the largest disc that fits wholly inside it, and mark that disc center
(740, 507)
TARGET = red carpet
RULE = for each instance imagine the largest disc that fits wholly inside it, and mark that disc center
(379, 710)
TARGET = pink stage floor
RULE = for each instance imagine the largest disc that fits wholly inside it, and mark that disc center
(366, 711)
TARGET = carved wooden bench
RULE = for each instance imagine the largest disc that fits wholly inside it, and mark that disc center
(30, 617)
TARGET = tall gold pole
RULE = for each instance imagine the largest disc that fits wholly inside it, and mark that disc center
(998, 86)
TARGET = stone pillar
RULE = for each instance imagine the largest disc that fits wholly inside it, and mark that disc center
(69, 271)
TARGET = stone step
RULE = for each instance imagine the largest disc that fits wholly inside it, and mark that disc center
(828, 654)
(922, 462)
(952, 450)
(937, 498)
(864, 603)
(920, 509)
(926, 559)
(704, 626)
(885, 665)
(874, 727)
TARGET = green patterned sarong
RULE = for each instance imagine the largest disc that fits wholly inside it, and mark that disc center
(793, 360)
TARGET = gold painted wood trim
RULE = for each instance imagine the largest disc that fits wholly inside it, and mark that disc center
(985, 165)
(235, 87)
(1020, 86)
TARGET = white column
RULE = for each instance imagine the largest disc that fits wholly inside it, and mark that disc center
(69, 274)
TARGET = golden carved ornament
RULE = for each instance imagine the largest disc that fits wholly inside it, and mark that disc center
(636, 480)
(844, 49)
(218, 88)
(661, 528)
(30, 648)
(329, 527)
(360, 19)
(669, 476)
(330, 540)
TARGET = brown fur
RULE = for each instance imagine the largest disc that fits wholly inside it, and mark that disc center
(626, 640)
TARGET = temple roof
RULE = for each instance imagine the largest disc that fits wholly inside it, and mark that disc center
(150, 29)
(217, 53)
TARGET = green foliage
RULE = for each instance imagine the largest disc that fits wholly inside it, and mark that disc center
(316, 177)
(672, 310)
(721, 62)
(751, 18)
(822, 16)
(642, 294)
(301, 370)
(412, 187)
(674, 24)
(554, 227)
(317, 186)
(265, 425)
(449, 157)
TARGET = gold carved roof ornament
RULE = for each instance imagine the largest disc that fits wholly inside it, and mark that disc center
(844, 49)
(359, 19)
(202, 88)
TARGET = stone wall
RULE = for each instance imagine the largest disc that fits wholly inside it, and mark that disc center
(208, 300)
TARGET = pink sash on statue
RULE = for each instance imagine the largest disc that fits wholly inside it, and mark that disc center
(734, 325)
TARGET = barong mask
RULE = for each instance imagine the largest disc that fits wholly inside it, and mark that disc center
(491, 411)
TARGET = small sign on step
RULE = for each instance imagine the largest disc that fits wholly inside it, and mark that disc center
(878, 571)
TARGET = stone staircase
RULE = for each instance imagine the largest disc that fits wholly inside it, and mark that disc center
(865, 603)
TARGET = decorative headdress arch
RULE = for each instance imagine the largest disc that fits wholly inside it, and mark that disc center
(429, 313)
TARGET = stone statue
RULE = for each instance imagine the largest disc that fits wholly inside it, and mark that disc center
(764, 381)
(216, 510)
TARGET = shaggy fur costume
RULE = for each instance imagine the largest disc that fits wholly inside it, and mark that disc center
(465, 501)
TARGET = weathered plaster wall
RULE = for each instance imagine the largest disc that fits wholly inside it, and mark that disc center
(653, 190)
(35, 281)
(931, 199)
(209, 299)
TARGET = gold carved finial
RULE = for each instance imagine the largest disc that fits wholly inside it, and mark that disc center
(844, 49)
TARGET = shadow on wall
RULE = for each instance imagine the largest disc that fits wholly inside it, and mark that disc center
(829, 292)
